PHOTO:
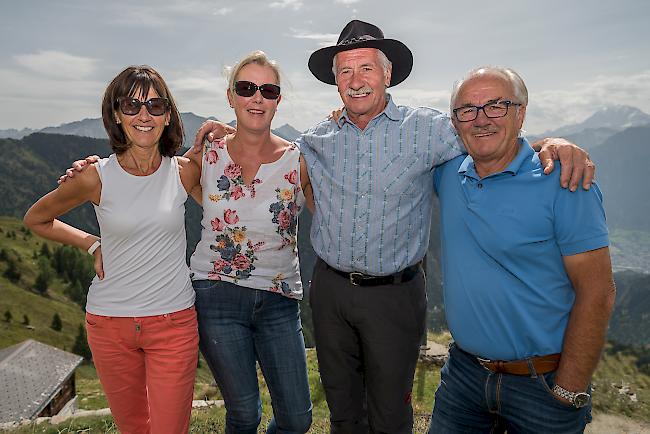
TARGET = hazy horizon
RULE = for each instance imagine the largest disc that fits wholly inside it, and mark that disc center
(575, 57)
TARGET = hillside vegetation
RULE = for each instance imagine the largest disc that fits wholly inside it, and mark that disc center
(21, 299)
(621, 384)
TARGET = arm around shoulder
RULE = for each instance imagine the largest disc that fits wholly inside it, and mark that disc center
(190, 172)
(41, 218)
(305, 184)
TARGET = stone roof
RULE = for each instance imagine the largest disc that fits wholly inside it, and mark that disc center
(31, 373)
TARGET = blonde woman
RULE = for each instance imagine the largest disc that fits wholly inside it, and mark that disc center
(245, 268)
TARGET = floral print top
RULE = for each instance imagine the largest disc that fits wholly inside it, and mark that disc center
(248, 234)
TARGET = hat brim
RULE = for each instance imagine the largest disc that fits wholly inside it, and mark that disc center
(320, 61)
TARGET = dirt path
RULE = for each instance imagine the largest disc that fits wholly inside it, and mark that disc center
(612, 424)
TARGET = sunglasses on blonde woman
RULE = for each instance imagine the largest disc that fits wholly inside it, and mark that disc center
(248, 88)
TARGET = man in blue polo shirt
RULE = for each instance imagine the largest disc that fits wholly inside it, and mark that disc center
(527, 275)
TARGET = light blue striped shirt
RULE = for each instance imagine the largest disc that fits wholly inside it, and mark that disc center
(373, 188)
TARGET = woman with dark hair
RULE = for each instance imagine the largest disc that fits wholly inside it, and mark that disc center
(140, 317)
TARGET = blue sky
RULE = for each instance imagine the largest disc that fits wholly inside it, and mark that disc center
(56, 57)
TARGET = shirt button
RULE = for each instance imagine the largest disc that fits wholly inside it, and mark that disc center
(480, 185)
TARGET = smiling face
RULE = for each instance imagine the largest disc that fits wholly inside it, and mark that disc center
(362, 83)
(255, 112)
(143, 129)
(492, 142)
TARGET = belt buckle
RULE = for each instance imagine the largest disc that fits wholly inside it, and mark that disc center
(356, 277)
(485, 363)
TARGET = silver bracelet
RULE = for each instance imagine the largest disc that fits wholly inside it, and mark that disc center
(93, 247)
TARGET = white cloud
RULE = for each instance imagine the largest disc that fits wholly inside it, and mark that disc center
(417, 97)
(202, 92)
(324, 39)
(284, 4)
(57, 64)
(346, 2)
(299, 34)
(163, 15)
(222, 11)
(553, 108)
(37, 101)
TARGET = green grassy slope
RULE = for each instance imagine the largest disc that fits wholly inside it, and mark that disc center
(20, 300)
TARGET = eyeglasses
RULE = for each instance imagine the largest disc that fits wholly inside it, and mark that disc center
(131, 106)
(494, 109)
(247, 88)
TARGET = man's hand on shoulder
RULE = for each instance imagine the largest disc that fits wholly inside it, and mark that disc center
(210, 131)
(336, 114)
(576, 163)
(78, 166)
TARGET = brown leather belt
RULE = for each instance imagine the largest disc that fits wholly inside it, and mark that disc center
(541, 364)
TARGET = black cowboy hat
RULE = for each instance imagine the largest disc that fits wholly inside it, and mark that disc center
(358, 34)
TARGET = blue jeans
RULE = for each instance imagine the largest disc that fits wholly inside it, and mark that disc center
(240, 326)
(472, 399)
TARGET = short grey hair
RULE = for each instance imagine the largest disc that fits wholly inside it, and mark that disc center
(509, 75)
(383, 60)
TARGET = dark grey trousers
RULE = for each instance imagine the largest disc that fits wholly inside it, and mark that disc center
(367, 340)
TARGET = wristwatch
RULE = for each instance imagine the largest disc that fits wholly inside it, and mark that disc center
(578, 399)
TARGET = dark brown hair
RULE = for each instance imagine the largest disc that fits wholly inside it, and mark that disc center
(139, 79)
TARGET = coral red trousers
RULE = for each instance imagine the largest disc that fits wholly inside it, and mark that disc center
(147, 367)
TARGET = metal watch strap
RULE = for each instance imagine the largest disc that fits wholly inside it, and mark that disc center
(570, 396)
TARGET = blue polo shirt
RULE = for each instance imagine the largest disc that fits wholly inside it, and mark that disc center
(507, 294)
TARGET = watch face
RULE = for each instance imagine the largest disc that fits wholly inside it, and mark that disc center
(581, 399)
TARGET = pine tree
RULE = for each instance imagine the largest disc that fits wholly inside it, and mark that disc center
(12, 273)
(76, 293)
(56, 325)
(44, 275)
(41, 283)
(8, 316)
(80, 345)
(45, 250)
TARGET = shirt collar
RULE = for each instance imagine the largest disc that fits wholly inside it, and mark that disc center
(390, 111)
(525, 153)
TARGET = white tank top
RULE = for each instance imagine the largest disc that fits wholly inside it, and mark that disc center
(248, 234)
(142, 225)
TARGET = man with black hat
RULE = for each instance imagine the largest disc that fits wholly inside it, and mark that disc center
(370, 171)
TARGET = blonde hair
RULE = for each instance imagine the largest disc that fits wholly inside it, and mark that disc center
(257, 57)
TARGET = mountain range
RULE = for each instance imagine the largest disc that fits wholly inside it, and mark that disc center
(597, 128)
(94, 127)
(32, 165)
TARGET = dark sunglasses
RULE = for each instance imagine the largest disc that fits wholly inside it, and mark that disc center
(131, 106)
(247, 88)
